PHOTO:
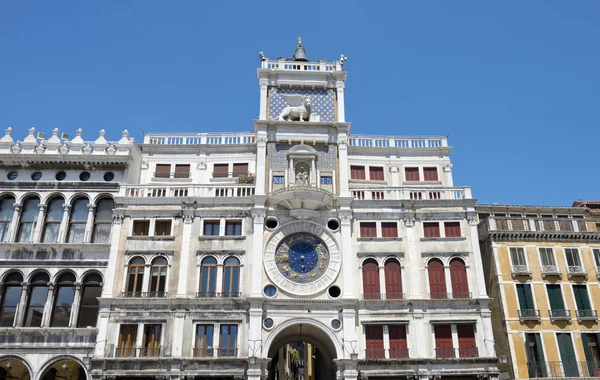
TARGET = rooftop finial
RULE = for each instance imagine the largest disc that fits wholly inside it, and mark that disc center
(299, 41)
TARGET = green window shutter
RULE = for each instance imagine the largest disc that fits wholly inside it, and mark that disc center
(540, 353)
(555, 297)
(525, 296)
(567, 355)
(581, 297)
(588, 355)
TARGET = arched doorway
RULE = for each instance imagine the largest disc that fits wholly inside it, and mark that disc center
(13, 368)
(302, 350)
(64, 369)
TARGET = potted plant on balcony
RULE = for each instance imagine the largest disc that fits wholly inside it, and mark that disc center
(246, 179)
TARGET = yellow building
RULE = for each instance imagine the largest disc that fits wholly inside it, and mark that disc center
(542, 268)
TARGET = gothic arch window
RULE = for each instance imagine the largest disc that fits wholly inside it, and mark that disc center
(38, 294)
(135, 277)
(78, 220)
(370, 276)
(458, 277)
(89, 305)
(10, 299)
(54, 216)
(231, 277)
(208, 277)
(63, 301)
(393, 280)
(158, 279)
(437, 279)
(103, 221)
(7, 210)
(28, 220)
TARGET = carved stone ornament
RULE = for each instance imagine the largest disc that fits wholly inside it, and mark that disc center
(343, 141)
(111, 150)
(258, 216)
(346, 218)
(117, 218)
(302, 258)
(297, 110)
(16, 149)
(87, 149)
(188, 218)
(472, 219)
(63, 149)
(447, 167)
(202, 165)
(409, 221)
(39, 149)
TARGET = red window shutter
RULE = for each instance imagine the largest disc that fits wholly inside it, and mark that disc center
(220, 170)
(374, 335)
(437, 279)
(357, 172)
(466, 341)
(368, 229)
(182, 171)
(443, 341)
(370, 274)
(452, 229)
(398, 345)
(458, 276)
(389, 229)
(375, 173)
(163, 171)
(240, 170)
(411, 174)
(431, 229)
(393, 280)
(430, 174)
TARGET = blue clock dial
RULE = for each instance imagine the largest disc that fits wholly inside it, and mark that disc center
(302, 257)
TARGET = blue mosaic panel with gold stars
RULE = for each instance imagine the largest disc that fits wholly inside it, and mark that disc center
(277, 154)
(321, 102)
(302, 257)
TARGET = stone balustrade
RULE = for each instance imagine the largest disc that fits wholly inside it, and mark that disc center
(398, 142)
(199, 138)
(282, 64)
(411, 193)
(165, 191)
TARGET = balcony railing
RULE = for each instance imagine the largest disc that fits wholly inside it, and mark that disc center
(409, 193)
(540, 225)
(398, 142)
(139, 352)
(558, 369)
(559, 314)
(398, 353)
(520, 270)
(587, 315)
(529, 315)
(227, 352)
(207, 352)
(143, 294)
(199, 138)
(383, 296)
(576, 271)
(471, 352)
(218, 294)
(451, 353)
(444, 353)
(171, 175)
(181, 191)
(375, 353)
(230, 174)
(282, 64)
(550, 270)
(381, 353)
(450, 296)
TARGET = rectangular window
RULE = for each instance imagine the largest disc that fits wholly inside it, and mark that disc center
(466, 341)
(581, 298)
(211, 227)
(597, 257)
(431, 229)
(517, 256)
(10, 301)
(555, 297)
(398, 344)
(411, 174)
(151, 342)
(572, 257)
(374, 340)
(240, 170)
(535, 355)
(389, 229)
(182, 171)
(452, 229)
(233, 228)
(376, 173)
(204, 341)
(162, 228)
(141, 227)
(127, 341)
(443, 341)
(228, 344)
(357, 172)
(430, 174)
(525, 298)
(591, 346)
(547, 256)
(567, 355)
(163, 171)
(368, 229)
(278, 179)
(221, 171)
(326, 180)
(88, 310)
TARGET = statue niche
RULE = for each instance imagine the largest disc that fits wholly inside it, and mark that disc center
(302, 174)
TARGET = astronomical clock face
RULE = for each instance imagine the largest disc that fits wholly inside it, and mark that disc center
(302, 258)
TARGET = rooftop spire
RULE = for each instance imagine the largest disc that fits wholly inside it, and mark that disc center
(300, 54)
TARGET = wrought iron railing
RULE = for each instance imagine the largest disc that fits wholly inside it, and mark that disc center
(557, 314)
(381, 353)
(227, 351)
(587, 314)
(450, 296)
(137, 352)
(375, 353)
(451, 353)
(171, 175)
(567, 368)
(218, 294)
(529, 314)
(398, 353)
(143, 294)
(383, 296)
(207, 352)
(444, 353)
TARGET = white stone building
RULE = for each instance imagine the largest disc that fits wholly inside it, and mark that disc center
(56, 201)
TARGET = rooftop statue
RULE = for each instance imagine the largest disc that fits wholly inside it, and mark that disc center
(297, 110)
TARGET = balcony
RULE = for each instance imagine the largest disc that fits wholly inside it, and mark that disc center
(217, 139)
(454, 353)
(576, 271)
(398, 353)
(302, 200)
(559, 315)
(520, 270)
(374, 353)
(144, 294)
(563, 369)
(550, 270)
(139, 352)
(172, 175)
(587, 315)
(207, 352)
(218, 295)
(383, 296)
(450, 296)
(184, 191)
(529, 315)
(408, 193)
(381, 353)
(557, 229)
(229, 352)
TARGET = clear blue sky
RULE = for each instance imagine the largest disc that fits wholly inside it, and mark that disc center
(515, 83)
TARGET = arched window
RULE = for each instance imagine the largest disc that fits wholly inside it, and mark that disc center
(37, 300)
(89, 306)
(208, 277)
(437, 279)
(458, 276)
(7, 210)
(393, 280)
(159, 277)
(29, 215)
(63, 302)
(231, 277)
(135, 278)
(10, 299)
(370, 275)
(79, 215)
(54, 216)
(103, 221)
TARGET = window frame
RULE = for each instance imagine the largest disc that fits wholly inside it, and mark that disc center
(431, 225)
(376, 170)
(138, 277)
(510, 256)
(211, 276)
(158, 289)
(427, 170)
(212, 223)
(235, 224)
(77, 223)
(578, 256)
(411, 170)
(135, 222)
(363, 225)
(157, 222)
(355, 171)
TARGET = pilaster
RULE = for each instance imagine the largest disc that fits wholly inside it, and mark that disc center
(186, 240)
(349, 263)
(255, 256)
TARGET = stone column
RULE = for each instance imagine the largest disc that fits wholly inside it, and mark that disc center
(382, 292)
(23, 301)
(264, 88)
(184, 263)
(448, 280)
(455, 340)
(261, 162)
(89, 225)
(109, 277)
(349, 263)
(75, 305)
(219, 284)
(14, 223)
(386, 341)
(100, 349)
(343, 165)
(341, 113)
(47, 318)
(64, 224)
(146, 279)
(412, 260)
(255, 257)
(478, 267)
(39, 228)
(177, 341)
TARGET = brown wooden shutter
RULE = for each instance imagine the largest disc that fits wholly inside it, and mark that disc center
(368, 229)
(393, 280)
(431, 229)
(452, 229)
(389, 229)
(182, 171)
(374, 335)
(466, 341)
(370, 274)
(411, 174)
(240, 170)
(430, 174)
(357, 172)
(398, 344)
(458, 276)
(221, 170)
(163, 171)
(128, 336)
(437, 279)
(375, 173)
(443, 341)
